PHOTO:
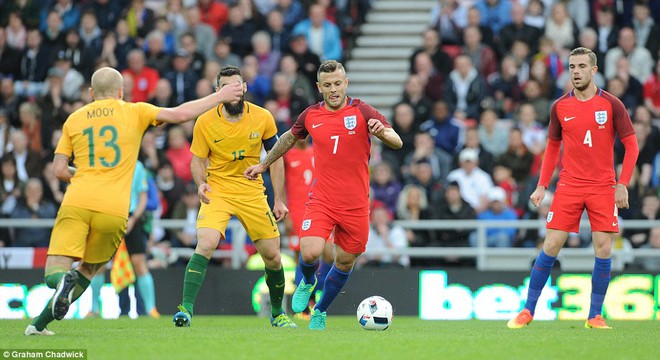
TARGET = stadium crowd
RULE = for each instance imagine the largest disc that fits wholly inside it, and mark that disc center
(473, 113)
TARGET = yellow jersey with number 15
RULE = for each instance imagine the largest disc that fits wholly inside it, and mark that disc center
(232, 147)
(103, 138)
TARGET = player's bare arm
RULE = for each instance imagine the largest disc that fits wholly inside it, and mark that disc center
(62, 169)
(283, 144)
(192, 109)
(277, 176)
(388, 136)
(198, 169)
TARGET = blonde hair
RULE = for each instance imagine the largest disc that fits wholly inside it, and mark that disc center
(585, 51)
(106, 81)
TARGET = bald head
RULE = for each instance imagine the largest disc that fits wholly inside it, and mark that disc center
(106, 82)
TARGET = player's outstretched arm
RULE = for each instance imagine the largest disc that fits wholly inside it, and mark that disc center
(283, 144)
(388, 136)
(192, 109)
(62, 169)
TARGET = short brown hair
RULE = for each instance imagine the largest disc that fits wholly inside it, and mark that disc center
(585, 51)
(227, 71)
(329, 66)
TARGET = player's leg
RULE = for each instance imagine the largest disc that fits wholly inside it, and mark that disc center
(603, 217)
(136, 246)
(564, 217)
(97, 283)
(327, 258)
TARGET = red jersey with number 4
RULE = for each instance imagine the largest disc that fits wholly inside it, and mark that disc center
(588, 129)
(299, 172)
(342, 146)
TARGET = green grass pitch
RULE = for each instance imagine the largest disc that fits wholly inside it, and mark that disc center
(250, 337)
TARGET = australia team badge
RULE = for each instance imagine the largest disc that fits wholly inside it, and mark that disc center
(601, 117)
(350, 122)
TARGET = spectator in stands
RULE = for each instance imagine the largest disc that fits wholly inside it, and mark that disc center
(52, 186)
(443, 128)
(505, 87)
(182, 78)
(517, 157)
(650, 263)
(518, 30)
(442, 62)
(493, 135)
(12, 187)
(34, 65)
(140, 19)
(503, 178)
(90, 33)
(494, 13)
(170, 186)
(29, 114)
(449, 205)
(144, 77)
(52, 104)
(223, 55)
(178, 153)
(176, 15)
(308, 62)
(620, 90)
(292, 12)
(474, 183)
(269, 59)
(8, 100)
(648, 142)
(289, 104)
(551, 56)
(125, 43)
(421, 174)
(385, 235)
(649, 209)
(258, 86)
(279, 34)
(535, 14)
(385, 186)
(425, 150)
(534, 135)
(414, 95)
(16, 31)
(6, 130)
(10, 58)
(486, 158)
(588, 38)
(214, 13)
(169, 37)
(322, 35)
(541, 74)
(301, 85)
(155, 55)
(449, 18)
(560, 28)
(239, 32)
(432, 79)
(68, 10)
(32, 205)
(465, 89)
(413, 205)
(72, 79)
(403, 122)
(163, 94)
(186, 209)
(607, 30)
(107, 13)
(206, 36)
(30, 11)
(483, 57)
(646, 28)
(497, 211)
(28, 162)
(641, 61)
(652, 92)
(521, 53)
(533, 94)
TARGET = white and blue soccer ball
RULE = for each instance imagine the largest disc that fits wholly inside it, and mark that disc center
(375, 313)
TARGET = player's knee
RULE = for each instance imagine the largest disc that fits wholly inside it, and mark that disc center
(273, 262)
(206, 247)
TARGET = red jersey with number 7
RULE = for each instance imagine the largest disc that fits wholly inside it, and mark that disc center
(587, 130)
(342, 145)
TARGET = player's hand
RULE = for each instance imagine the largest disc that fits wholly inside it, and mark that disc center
(621, 196)
(537, 196)
(252, 173)
(201, 192)
(280, 211)
(376, 127)
(130, 224)
(231, 92)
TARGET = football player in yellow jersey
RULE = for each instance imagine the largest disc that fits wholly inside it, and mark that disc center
(103, 138)
(226, 141)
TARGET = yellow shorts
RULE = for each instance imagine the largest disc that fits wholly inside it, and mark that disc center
(255, 215)
(84, 234)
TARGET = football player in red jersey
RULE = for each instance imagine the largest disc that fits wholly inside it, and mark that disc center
(341, 129)
(586, 120)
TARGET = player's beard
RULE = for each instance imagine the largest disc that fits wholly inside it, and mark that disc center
(584, 84)
(235, 109)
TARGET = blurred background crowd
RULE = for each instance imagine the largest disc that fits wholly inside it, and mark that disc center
(473, 112)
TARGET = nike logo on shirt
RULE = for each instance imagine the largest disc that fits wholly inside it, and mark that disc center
(217, 141)
(295, 164)
(569, 118)
(314, 126)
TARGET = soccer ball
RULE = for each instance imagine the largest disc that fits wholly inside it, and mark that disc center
(375, 313)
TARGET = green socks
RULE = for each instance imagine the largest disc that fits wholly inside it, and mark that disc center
(275, 282)
(46, 315)
(194, 277)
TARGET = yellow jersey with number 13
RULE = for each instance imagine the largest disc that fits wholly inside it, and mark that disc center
(103, 138)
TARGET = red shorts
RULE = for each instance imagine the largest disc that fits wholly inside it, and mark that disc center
(567, 207)
(351, 227)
